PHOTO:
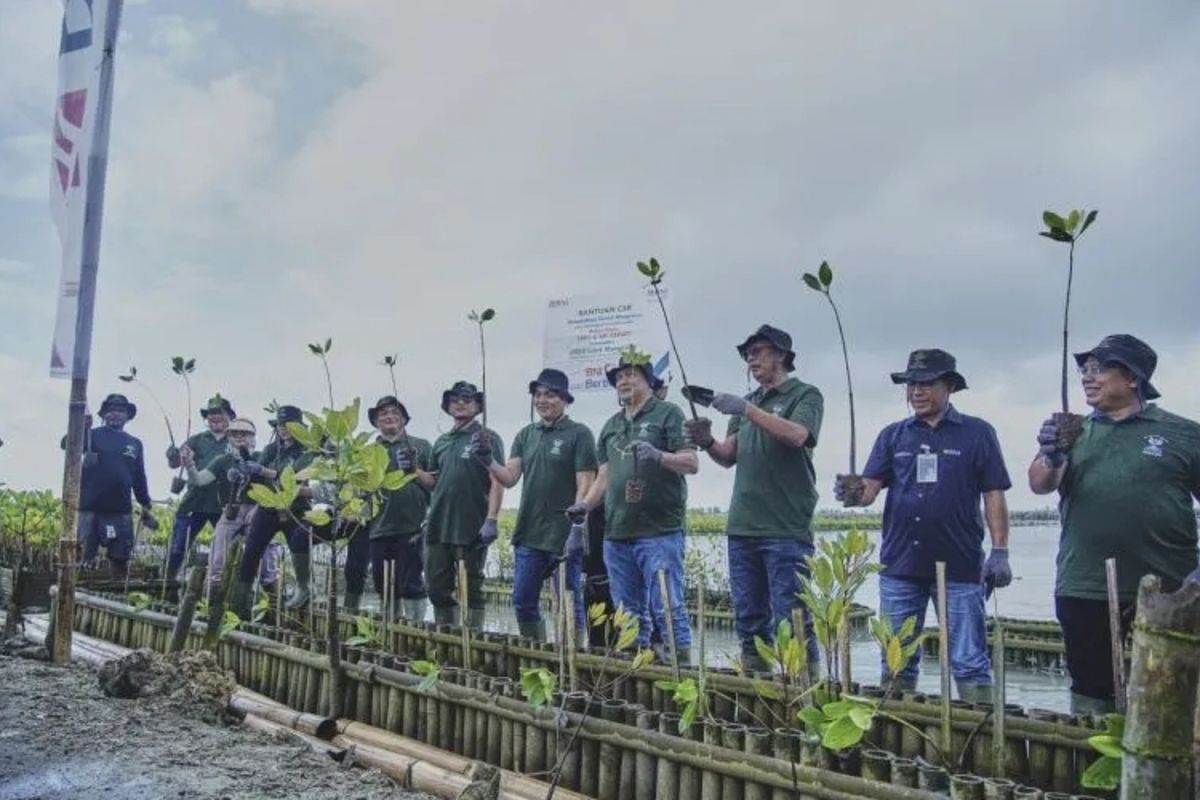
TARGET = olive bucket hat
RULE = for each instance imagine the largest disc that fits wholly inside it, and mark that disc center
(775, 337)
(387, 401)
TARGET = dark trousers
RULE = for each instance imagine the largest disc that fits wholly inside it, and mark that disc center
(408, 560)
(1089, 644)
(441, 572)
(183, 534)
(266, 522)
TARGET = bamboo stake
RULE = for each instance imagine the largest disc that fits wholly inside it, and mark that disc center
(187, 607)
(1117, 649)
(569, 626)
(999, 691)
(560, 620)
(462, 610)
(944, 658)
(668, 613)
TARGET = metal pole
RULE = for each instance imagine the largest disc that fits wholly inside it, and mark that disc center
(97, 166)
(1114, 632)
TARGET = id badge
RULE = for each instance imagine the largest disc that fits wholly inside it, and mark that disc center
(110, 532)
(927, 471)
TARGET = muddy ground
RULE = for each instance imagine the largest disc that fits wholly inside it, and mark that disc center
(62, 737)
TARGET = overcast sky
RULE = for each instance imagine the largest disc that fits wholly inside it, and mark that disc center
(288, 170)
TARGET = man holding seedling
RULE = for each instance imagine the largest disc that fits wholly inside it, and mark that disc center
(557, 458)
(643, 459)
(936, 466)
(282, 452)
(223, 472)
(1126, 487)
(770, 438)
(200, 505)
(463, 507)
(113, 468)
(395, 532)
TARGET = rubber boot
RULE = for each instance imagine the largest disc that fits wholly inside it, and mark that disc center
(413, 608)
(118, 569)
(475, 619)
(239, 598)
(974, 692)
(1097, 707)
(581, 638)
(684, 654)
(753, 662)
(351, 603)
(533, 630)
(902, 684)
(445, 615)
(302, 563)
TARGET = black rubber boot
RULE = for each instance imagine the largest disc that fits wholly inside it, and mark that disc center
(302, 563)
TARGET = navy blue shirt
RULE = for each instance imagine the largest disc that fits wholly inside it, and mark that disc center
(929, 521)
(118, 471)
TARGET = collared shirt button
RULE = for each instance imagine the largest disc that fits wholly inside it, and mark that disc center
(916, 519)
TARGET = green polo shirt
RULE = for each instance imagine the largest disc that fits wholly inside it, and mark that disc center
(277, 458)
(774, 485)
(403, 511)
(204, 499)
(1127, 494)
(220, 467)
(663, 506)
(458, 505)
(550, 456)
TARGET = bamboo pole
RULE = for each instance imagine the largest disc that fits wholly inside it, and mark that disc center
(1117, 648)
(669, 614)
(187, 607)
(463, 612)
(667, 771)
(569, 625)
(1163, 682)
(944, 659)
(999, 697)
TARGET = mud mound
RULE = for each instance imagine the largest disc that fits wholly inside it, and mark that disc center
(193, 682)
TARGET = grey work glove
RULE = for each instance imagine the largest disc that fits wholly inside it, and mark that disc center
(729, 404)
(646, 453)
(481, 445)
(577, 513)
(149, 521)
(252, 469)
(404, 460)
(488, 533)
(576, 541)
(1048, 444)
(996, 572)
(699, 432)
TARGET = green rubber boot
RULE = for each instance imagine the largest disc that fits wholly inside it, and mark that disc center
(302, 563)
(533, 630)
(445, 615)
(352, 602)
(1095, 706)
(974, 692)
(239, 598)
(684, 655)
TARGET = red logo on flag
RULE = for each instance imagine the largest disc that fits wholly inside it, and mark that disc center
(68, 125)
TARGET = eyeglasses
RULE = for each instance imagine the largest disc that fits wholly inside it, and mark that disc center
(758, 351)
(1093, 369)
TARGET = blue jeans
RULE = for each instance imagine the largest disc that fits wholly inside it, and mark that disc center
(183, 533)
(633, 566)
(901, 598)
(764, 579)
(529, 573)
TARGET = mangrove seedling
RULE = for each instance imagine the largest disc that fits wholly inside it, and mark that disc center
(390, 361)
(347, 476)
(654, 271)
(184, 367)
(321, 351)
(1105, 771)
(132, 377)
(821, 283)
(479, 318)
(1067, 229)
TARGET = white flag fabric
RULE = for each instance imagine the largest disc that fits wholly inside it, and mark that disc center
(79, 148)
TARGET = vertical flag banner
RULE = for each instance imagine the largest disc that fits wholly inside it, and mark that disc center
(585, 335)
(79, 154)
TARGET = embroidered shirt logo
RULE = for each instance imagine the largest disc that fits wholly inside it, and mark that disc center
(466, 453)
(777, 410)
(556, 447)
(130, 451)
(643, 430)
(1154, 445)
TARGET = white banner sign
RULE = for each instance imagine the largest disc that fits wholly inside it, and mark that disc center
(586, 333)
(80, 143)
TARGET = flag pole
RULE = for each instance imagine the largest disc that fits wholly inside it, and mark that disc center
(97, 165)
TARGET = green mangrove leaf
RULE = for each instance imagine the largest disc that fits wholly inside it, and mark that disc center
(1073, 219)
(1104, 773)
(488, 314)
(315, 349)
(895, 656)
(862, 716)
(1114, 726)
(1053, 221)
(840, 734)
(825, 273)
(767, 690)
(1087, 222)
(317, 518)
(812, 282)
(1106, 745)
(812, 717)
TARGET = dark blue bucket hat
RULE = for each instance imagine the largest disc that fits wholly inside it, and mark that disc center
(118, 401)
(554, 380)
(462, 389)
(286, 414)
(926, 366)
(1129, 352)
(775, 337)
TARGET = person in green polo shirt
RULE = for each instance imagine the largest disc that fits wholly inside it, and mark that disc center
(643, 459)
(1125, 492)
(771, 436)
(557, 458)
(396, 534)
(201, 505)
(463, 507)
